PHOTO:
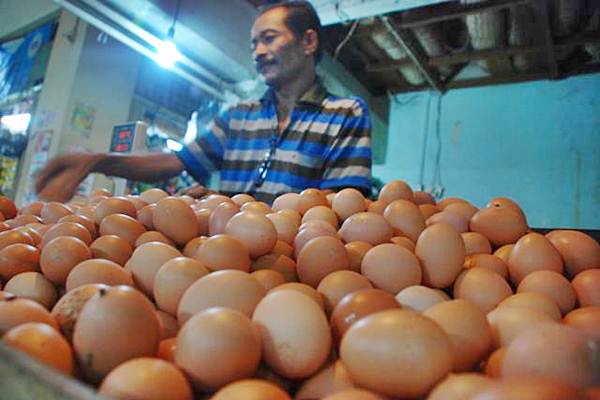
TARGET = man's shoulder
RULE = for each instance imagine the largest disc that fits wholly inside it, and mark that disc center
(357, 105)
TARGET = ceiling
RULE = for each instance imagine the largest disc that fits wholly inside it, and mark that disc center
(468, 43)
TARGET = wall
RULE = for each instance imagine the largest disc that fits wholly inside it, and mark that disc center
(537, 143)
(18, 14)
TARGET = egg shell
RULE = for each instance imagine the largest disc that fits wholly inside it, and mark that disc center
(587, 287)
(218, 334)
(242, 198)
(310, 198)
(586, 320)
(366, 227)
(427, 210)
(406, 218)
(254, 230)
(97, 270)
(338, 284)
(145, 262)
(15, 311)
(17, 258)
(268, 278)
(347, 202)
(145, 216)
(320, 257)
(154, 195)
(391, 267)
(176, 220)
(9, 237)
(508, 323)
(113, 248)
(476, 243)
(578, 250)
(533, 252)
(67, 308)
(488, 261)
(469, 284)
(53, 211)
(146, 378)
(295, 333)
(230, 288)
(60, 256)
(354, 394)
(88, 223)
(553, 285)
(277, 262)
(115, 325)
(464, 209)
(421, 197)
(460, 386)
(419, 298)
(441, 251)
(252, 389)
(220, 216)
(33, 286)
(123, 226)
(173, 278)
(114, 205)
(286, 201)
(286, 227)
(501, 225)
(356, 253)
(460, 223)
(258, 207)
(395, 190)
(224, 252)
(527, 388)
(332, 379)
(534, 301)
(304, 289)
(193, 245)
(67, 229)
(412, 354)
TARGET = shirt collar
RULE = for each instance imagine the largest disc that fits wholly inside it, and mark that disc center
(314, 95)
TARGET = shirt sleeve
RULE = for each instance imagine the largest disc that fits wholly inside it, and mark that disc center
(205, 154)
(348, 158)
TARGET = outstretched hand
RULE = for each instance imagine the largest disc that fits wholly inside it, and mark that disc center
(59, 179)
(196, 191)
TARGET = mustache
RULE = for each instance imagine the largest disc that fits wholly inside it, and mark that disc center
(263, 62)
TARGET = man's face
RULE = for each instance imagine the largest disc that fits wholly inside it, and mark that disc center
(278, 54)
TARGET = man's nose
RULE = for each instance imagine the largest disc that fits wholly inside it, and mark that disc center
(260, 50)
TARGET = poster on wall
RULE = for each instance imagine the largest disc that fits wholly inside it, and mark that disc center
(83, 118)
(39, 156)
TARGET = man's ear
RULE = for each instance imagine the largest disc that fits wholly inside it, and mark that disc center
(310, 42)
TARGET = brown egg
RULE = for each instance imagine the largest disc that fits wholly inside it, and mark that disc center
(348, 202)
(152, 196)
(220, 216)
(258, 207)
(145, 262)
(121, 319)
(419, 298)
(421, 197)
(17, 258)
(460, 386)
(22, 220)
(4, 227)
(33, 208)
(114, 205)
(173, 278)
(464, 209)
(304, 289)
(60, 256)
(310, 198)
(377, 207)
(553, 285)
(460, 223)
(146, 378)
(441, 251)
(366, 227)
(445, 202)
(212, 201)
(277, 262)
(286, 201)
(501, 225)
(527, 388)
(67, 229)
(487, 261)
(14, 236)
(53, 211)
(586, 320)
(153, 236)
(15, 311)
(98, 270)
(309, 233)
(292, 214)
(251, 389)
(391, 267)
(230, 288)
(286, 227)
(533, 252)
(422, 353)
(43, 343)
(268, 278)
(166, 349)
(224, 252)
(578, 250)
(242, 198)
(554, 351)
(508, 203)
(136, 201)
(193, 245)
(67, 309)
(145, 216)
(95, 200)
(427, 210)
(176, 220)
(168, 325)
(82, 220)
(338, 284)
(469, 284)
(476, 243)
(493, 365)
(320, 257)
(223, 334)
(295, 333)
(467, 328)
(282, 248)
(356, 305)
(202, 216)
(113, 248)
(508, 323)
(405, 242)
(254, 230)
(406, 218)
(587, 287)
(356, 252)
(395, 190)
(123, 226)
(33, 286)
(330, 380)
(534, 301)
(354, 394)
(88, 212)
(321, 213)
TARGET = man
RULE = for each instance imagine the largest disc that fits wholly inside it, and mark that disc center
(295, 137)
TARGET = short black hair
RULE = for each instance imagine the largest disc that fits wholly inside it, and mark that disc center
(301, 17)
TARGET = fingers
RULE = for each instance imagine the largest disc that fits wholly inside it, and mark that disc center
(52, 168)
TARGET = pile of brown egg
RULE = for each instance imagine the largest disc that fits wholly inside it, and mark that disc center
(319, 296)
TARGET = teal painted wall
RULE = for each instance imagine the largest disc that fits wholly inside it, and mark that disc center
(537, 143)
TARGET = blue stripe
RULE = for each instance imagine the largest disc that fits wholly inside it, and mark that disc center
(357, 181)
(350, 152)
(192, 165)
(214, 142)
(359, 122)
(315, 149)
(272, 176)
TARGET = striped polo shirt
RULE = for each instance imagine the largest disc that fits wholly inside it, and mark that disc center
(327, 144)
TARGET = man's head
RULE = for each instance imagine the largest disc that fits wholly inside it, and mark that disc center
(285, 40)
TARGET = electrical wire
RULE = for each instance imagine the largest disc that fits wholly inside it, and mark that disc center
(424, 148)
(437, 185)
(336, 53)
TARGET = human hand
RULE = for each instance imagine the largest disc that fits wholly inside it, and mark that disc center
(196, 191)
(59, 179)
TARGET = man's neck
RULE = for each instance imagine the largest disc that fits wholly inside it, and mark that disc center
(288, 94)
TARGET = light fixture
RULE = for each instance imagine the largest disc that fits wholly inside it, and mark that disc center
(166, 51)
(16, 123)
(174, 145)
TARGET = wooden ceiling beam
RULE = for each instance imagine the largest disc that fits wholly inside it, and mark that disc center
(548, 43)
